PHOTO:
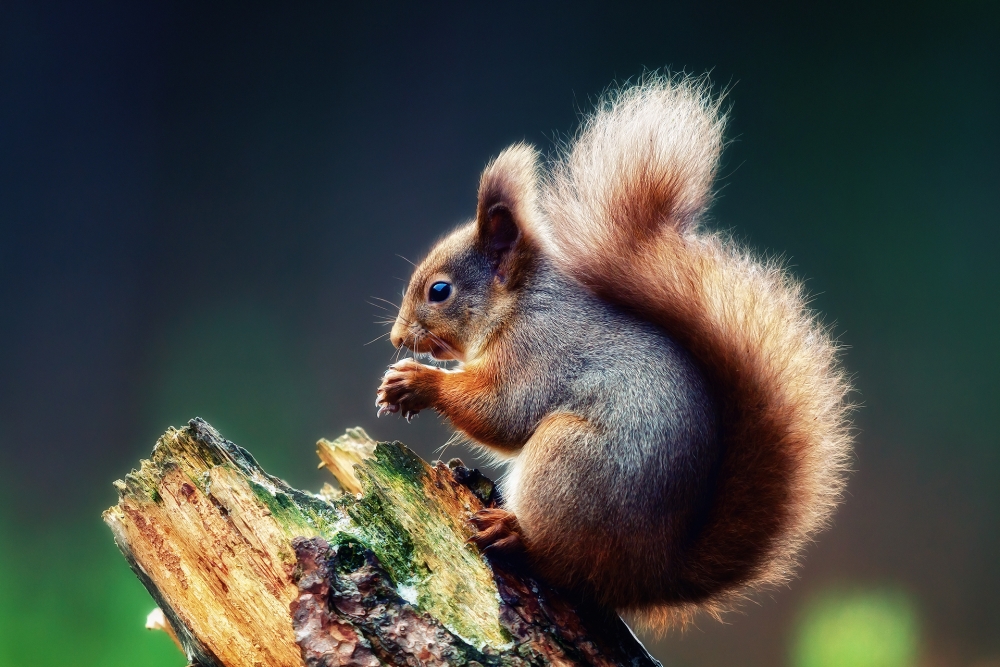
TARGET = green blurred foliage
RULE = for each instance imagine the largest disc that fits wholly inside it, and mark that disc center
(6, 598)
(859, 628)
(66, 598)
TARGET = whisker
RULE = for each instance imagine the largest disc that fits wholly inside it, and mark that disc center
(448, 348)
(416, 342)
(406, 260)
(395, 355)
(375, 339)
(404, 320)
(380, 306)
(394, 305)
(456, 438)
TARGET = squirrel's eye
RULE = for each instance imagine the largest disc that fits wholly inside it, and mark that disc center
(439, 292)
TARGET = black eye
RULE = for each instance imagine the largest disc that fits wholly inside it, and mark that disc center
(439, 292)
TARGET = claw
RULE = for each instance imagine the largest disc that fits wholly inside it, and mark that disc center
(497, 532)
(510, 545)
(385, 409)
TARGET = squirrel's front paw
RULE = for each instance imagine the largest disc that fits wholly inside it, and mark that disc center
(407, 388)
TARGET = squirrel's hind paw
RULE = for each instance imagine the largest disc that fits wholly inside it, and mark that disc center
(499, 533)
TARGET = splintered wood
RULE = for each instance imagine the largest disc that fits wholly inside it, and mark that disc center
(249, 571)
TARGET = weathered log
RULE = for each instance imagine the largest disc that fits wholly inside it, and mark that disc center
(249, 571)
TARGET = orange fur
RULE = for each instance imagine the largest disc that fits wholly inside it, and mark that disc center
(465, 396)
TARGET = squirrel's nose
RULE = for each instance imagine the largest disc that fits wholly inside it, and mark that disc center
(398, 334)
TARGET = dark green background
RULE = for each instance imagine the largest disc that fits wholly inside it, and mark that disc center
(197, 202)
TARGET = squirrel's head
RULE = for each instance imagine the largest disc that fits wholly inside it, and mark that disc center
(467, 285)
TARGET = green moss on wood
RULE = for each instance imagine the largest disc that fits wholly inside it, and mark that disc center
(421, 541)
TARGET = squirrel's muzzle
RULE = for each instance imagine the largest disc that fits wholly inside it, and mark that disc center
(399, 333)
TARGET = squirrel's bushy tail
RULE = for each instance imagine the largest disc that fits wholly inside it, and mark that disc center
(621, 212)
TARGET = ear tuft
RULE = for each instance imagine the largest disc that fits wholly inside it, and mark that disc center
(508, 195)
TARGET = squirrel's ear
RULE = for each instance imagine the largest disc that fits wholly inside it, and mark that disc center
(507, 212)
(499, 233)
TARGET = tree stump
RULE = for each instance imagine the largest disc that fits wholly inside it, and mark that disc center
(249, 571)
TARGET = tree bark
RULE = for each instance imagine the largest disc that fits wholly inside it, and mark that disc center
(249, 571)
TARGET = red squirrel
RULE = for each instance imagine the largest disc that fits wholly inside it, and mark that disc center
(672, 415)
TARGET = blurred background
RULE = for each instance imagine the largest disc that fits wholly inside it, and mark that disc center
(198, 201)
